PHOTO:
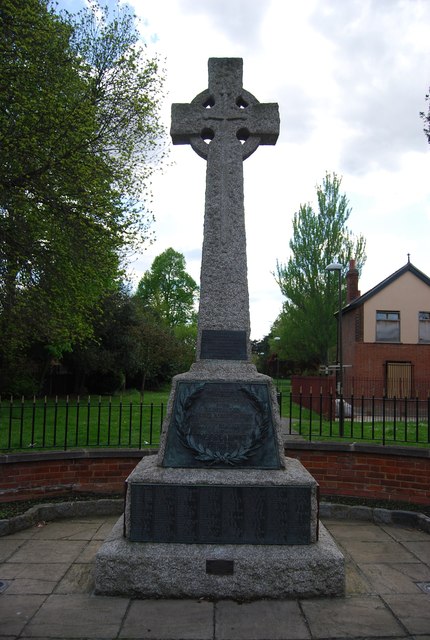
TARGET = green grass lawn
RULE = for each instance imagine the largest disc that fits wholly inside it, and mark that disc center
(125, 421)
(70, 422)
(312, 426)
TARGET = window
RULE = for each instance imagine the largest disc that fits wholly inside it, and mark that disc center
(424, 326)
(388, 326)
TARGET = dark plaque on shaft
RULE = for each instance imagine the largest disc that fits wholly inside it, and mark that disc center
(212, 514)
(223, 345)
(222, 425)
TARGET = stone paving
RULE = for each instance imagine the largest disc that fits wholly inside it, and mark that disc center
(47, 592)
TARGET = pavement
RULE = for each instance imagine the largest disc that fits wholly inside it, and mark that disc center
(47, 586)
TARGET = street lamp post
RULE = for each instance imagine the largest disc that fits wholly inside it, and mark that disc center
(277, 338)
(335, 266)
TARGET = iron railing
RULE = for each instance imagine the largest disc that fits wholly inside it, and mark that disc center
(62, 424)
(66, 423)
(377, 420)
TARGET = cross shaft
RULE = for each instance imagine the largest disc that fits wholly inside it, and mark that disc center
(224, 125)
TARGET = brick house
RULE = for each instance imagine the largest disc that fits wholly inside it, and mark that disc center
(386, 335)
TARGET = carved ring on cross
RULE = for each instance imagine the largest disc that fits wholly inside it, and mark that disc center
(237, 119)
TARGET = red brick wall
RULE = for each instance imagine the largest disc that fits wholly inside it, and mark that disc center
(389, 473)
(44, 474)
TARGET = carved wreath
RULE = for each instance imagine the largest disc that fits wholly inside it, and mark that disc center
(238, 455)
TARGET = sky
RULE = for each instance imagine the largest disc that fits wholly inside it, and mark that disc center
(350, 78)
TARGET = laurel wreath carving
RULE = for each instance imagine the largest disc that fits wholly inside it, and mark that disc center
(238, 455)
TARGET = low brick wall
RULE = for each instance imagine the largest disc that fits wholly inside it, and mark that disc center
(35, 475)
(366, 471)
(388, 473)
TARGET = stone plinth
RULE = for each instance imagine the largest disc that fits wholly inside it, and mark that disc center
(175, 539)
(241, 572)
(288, 504)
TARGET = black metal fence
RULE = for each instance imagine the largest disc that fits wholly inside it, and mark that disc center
(43, 424)
(379, 420)
(66, 423)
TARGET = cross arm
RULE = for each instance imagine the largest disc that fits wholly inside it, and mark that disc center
(265, 122)
(185, 122)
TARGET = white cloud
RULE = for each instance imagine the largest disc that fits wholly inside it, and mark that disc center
(350, 77)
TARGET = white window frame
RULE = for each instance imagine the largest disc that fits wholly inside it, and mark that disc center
(387, 326)
(424, 327)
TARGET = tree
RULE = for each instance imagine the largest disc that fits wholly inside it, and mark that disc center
(168, 290)
(129, 348)
(79, 125)
(306, 325)
(426, 119)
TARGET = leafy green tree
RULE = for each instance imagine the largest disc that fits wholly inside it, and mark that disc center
(129, 348)
(426, 119)
(102, 363)
(79, 128)
(306, 325)
(168, 290)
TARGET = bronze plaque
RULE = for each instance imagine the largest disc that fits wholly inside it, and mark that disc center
(212, 514)
(221, 425)
(223, 345)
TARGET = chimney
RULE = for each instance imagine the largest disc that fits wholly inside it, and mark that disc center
(352, 291)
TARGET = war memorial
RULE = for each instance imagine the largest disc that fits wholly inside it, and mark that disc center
(220, 512)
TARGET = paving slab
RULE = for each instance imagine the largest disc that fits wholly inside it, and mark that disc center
(154, 619)
(77, 616)
(404, 533)
(366, 532)
(39, 579)
(67, 530)
(42, 572)
(412, 610)
(48, 598)
(105, 528)
(355, 581)
(260, 620)
(366, 552)
(78, 579)
(9, 546)
(16, 611)
(358, 616)
(395, 577)
(88, 553)
(32, 551)
(420, 549)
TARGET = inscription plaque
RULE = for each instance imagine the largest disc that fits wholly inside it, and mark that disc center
(220, 567)
(221, 425)
(223, 345)
(212, 514)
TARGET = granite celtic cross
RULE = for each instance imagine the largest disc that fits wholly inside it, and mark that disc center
(224, 125)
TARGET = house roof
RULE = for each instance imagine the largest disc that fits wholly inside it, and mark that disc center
(384, 283)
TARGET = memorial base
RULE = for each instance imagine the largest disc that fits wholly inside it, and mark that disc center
(220, 512)
(310, 566)
(240, 572)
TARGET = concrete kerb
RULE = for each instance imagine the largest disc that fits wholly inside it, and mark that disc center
(412, 519)
(114, 506)
(55, 511)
